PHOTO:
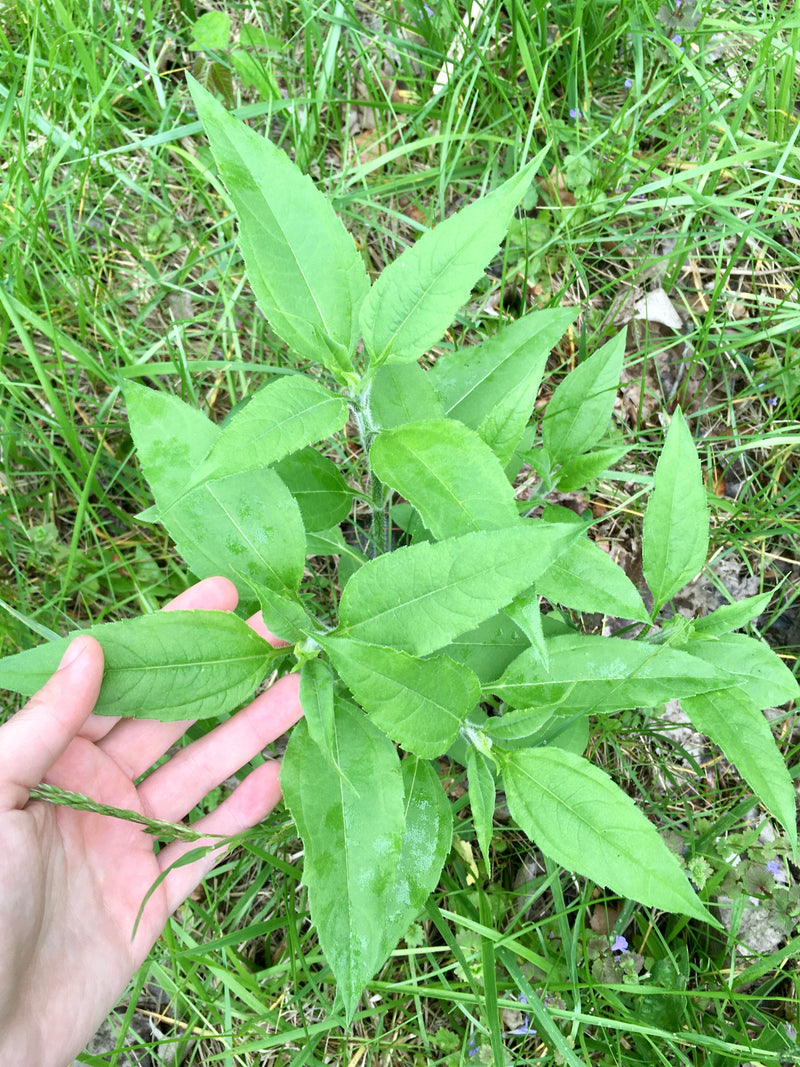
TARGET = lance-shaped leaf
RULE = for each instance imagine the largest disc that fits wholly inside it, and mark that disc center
(576, 815)
(482, 799)
(423, 851)
(417, 296)
(284, 616)
(579, 410)
(316, 700)
(585, 578)
(675, 533)
(492, 387)
(420, 703)
(585, 468)
(603, 674)
(448, 474)
(321, 493)
(400, 393)
(476, 381)
(352, 822)
(172, 439)
(752, 665)
(735, 722)
(169, 665)
(283, 417)
(246, 526)
(303, 265)
(421, 597)
(732, 616)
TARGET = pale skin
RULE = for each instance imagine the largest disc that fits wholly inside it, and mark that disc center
(72, 882)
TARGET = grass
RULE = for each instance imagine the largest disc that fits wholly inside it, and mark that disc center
(670, 164)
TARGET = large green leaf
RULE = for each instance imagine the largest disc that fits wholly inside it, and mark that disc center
(448, 474)
(576, 815)
(735, 722)
(303, 265)
(351, 821)
(417, 296)
(172, 439)
(603, 674)
(754, 666)
(169, 665)
(420, 703)
(321, 493)
(585, 578)
(426, 843)
(283, 417)
(400, 393)
(246, 527)
(675, 533)
(492, 387)
(490, 647)
(579, 410)
(421, 597)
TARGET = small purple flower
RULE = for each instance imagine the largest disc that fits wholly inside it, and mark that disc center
(574, 113)
(472, 1047)
(774, 868)
(620, 945)
(628, 83)
(677, 39)
(773, 403)
(428, 10)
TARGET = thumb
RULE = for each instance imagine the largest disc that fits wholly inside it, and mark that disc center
(33, 739)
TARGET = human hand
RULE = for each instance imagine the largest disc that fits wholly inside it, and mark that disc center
(72, 882)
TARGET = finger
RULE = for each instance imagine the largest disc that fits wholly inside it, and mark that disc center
(256, 622)
(135, 744)
(173, 789)
(249, 803)
(33, 739)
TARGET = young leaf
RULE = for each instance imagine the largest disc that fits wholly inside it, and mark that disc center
(352, 826)
(400, 393)
(482, 796)
(526, 613)
(578, 472)
(735, 722)
(302, 263)
(284, 616)
(425, 845)
(420, 703)
(578, 817)
(422, 597)
(172, 439)
(448, 474)
(283, 417)
(603, 674)
(321, 493)
(579, 410)
(168, 665)
(316, 700)
(417, 296)
(732, 616)
(473, 383)
(675, 534)
(244, 526)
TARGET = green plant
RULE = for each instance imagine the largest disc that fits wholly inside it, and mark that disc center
(439, 644)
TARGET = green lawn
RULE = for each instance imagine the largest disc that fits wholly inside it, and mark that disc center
(669, 200)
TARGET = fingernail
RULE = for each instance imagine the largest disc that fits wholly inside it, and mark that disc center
(75, 650)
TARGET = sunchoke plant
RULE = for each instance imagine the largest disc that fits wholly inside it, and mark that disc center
(456, 637)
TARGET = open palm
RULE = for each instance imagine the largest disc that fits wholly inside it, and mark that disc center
(72, 882)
